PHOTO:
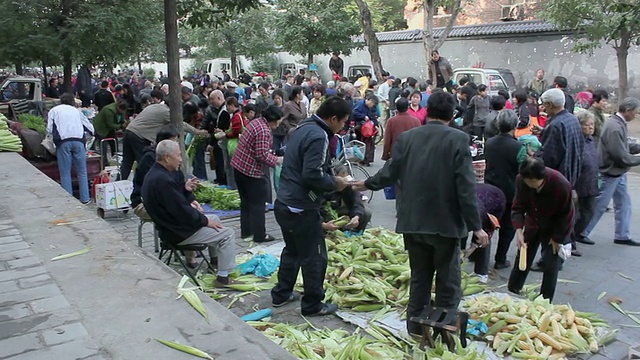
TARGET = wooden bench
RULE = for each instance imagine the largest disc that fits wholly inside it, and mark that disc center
(444, 322)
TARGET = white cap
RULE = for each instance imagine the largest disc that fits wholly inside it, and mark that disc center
(187, 84)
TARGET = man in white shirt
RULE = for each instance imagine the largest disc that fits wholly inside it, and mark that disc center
(383, 94)
(67, 125)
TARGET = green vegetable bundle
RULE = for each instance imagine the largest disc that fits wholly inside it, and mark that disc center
(197, 140)
(9, 141)
(33, 122)
(218, 198)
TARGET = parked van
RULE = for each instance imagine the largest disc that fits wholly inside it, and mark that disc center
(490, 77)
(214, 67)
(355, 72)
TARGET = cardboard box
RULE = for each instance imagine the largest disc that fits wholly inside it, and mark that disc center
(114, 195)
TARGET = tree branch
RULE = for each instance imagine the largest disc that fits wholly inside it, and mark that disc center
(447, 29)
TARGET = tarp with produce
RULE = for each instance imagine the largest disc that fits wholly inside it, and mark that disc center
(368, 275)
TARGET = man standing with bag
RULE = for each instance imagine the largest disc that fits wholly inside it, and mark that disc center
(306, 177)
(434, 212)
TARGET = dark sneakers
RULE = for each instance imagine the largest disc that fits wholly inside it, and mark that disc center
(627, 242)
(585, 240)
(502, 265)
(327, 309)
(295, 296)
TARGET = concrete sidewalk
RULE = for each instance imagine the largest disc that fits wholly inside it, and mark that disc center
(110, 303)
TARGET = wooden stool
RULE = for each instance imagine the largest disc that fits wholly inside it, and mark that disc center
(444, 322)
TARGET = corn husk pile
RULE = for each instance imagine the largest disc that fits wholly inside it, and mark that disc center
(8, 141)
(536, 329)
(366, 272)
(306, 342)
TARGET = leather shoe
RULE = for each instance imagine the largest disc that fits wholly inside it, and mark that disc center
(585, 240)
(626, 242)
(327, 309)
(536, 267)
(502, 265)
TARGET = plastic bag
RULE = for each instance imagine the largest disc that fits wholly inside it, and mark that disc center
(261, 265)
(276, 176)
(368, 129)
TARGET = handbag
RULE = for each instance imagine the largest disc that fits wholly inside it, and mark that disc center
(368, 129)
(49, 144)
(232, 144)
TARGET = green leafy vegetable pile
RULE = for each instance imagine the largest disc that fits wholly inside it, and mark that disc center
(218, 198)
(33, 122)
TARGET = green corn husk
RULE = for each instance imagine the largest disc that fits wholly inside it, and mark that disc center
(75, 253)
(191, 297)
(186, 349)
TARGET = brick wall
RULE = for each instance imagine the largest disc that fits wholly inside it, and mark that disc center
(476, 12)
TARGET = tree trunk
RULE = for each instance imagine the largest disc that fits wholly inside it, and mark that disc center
(67, 68)
(139, 64)
(309, 59)
(370, 38)
(622, 52)
(428, 39)
(19, 68)
(173, 66)
(44, 74)
(427, 36)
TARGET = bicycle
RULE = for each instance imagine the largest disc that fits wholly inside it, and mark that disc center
(379, 134)
(350, 149)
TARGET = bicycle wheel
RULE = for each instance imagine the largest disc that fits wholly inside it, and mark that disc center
(359, 173)
(380, 134)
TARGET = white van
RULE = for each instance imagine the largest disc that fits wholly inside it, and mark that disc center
(490, 77)
(214, 67)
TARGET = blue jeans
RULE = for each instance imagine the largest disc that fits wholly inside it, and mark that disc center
(616, 188)
(73, 153)
(199, 165)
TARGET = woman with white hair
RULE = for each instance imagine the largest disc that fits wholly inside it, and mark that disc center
(501, 155)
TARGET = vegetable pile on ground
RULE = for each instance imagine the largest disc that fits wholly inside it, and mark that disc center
(307, 342)
(366, 272)
(217, 197)
(8, 141)
(536, 329)
(33, 122)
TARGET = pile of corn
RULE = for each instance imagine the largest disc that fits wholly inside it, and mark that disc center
(536, 329)
(366, 272)
(306, 342)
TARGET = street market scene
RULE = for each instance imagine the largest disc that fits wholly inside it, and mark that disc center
(366, 179)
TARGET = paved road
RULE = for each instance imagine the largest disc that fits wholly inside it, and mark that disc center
(595, 272)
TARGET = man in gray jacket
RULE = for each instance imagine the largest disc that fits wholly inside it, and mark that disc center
(438, 205)
(615, 161)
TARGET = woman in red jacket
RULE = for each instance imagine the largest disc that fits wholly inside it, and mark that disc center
(415, 109)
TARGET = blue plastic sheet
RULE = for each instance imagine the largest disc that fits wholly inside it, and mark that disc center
(476, 328)
(349, 233)
(260, 265)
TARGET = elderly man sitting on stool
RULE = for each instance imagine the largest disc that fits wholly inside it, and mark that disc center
(178, 216)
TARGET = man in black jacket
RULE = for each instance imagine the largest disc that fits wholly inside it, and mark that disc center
(103, 96)
(501, 154)
(305, 178)
(438, 205)
(210, 123)
(178, 219)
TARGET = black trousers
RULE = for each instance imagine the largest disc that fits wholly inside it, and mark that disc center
(550, 263)
(252, 198)
(132, 148)
(429, 254)
(505, 235)
(304, 249)
(221, 177)
(586, 207)
(481, 256)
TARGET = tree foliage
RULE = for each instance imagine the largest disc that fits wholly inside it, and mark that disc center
(315, 27)
(613, 22)
(386, 15)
